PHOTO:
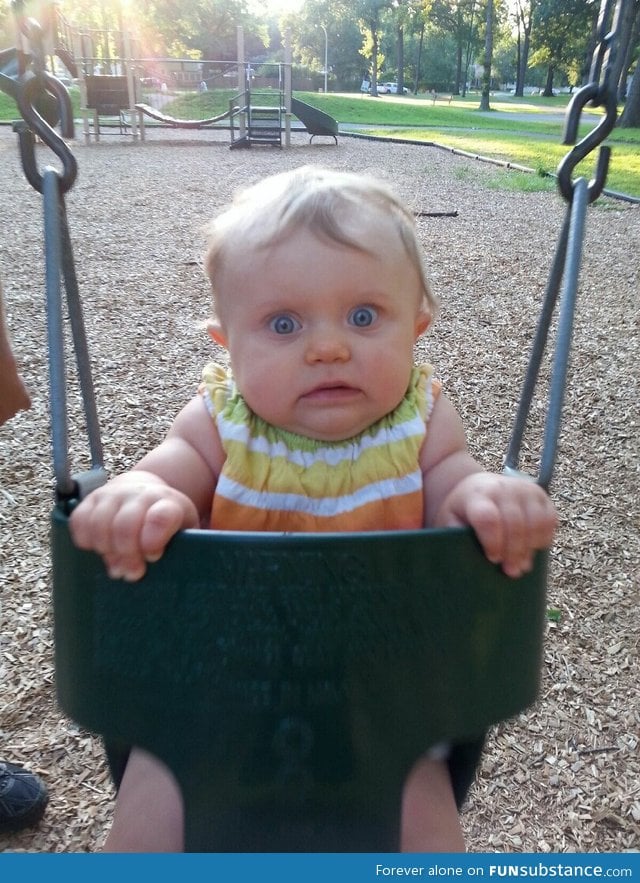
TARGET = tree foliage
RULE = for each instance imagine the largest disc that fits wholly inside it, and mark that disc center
(561, 32)
(426, 44)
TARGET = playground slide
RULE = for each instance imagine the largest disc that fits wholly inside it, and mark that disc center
(178, 123)
(316, 122)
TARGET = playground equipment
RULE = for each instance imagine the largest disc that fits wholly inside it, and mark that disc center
(264, 123)
(316, 122)
(291, 681)
(111, 89)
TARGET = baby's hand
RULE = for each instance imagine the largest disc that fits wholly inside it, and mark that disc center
(129, 522)
(513, 517)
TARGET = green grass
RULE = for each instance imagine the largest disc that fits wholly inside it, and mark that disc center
(8, 109)
(541, 155)
(533, 141)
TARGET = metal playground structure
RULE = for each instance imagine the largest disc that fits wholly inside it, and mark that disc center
(120, 86)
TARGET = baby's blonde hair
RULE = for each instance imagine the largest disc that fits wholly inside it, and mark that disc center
(323, 201)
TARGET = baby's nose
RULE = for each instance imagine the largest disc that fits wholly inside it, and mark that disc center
(327, 345)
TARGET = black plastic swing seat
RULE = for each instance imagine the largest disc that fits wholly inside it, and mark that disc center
(290, 682)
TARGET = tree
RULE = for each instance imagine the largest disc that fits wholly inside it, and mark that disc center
(488, 59)
(421, 17)
(524, 18)
(407, 14)
(369, 14)
(459, 19)
(629, 36)
(630, 117)
(7, 26)
(505, 60)
(560, 36)
(344, 40)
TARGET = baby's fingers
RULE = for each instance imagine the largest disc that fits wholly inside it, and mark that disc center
(90, 524)
(485, 517)
(164, 519)
(512, 528)
(140, 533)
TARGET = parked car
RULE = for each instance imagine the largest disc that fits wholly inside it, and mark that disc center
(393, 88)
(390, 88)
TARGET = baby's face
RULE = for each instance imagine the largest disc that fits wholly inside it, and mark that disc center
(321, 336)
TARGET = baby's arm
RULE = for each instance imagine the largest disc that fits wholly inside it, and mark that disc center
(512, 517)
(130, 520)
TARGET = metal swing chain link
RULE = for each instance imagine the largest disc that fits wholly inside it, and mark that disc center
(601, 92)
(34, 82)
(37, 89)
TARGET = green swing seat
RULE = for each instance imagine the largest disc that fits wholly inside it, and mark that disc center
(290, 682)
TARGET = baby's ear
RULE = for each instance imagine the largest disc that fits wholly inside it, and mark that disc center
(423, 322)
(215, 332)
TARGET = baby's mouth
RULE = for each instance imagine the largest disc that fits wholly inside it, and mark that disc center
(331, 391)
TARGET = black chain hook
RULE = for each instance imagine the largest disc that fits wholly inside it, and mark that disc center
(598, 93)
(32, 86)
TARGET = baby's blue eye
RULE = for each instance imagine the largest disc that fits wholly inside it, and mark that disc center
(362, 317)
(284, 324)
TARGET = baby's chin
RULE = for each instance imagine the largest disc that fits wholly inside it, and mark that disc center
(334, 432)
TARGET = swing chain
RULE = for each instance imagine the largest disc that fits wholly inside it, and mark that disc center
(599, 92)
(563, 276)
(42, 100)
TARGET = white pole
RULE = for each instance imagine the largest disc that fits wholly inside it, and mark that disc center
(288, 87)
(326, 56)
(242, 80)
(131, 82)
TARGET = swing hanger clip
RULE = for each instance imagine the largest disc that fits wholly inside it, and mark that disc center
(43, 101)
(599, 92)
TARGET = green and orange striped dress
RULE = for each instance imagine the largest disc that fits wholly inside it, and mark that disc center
(274, 480)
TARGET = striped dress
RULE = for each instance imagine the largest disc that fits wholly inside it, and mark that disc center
(274, 480)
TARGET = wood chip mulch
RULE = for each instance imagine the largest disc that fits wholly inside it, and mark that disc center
(565, 775)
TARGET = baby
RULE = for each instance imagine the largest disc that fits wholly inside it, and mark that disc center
(323, 423)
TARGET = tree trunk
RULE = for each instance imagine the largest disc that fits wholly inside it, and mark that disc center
(625, 29)
(488, 59)
(630, 118)
(523, 52)
(469, 48)
(419, 60)
(400, 79)
(456, 88)
(374, 59)
(525, 55)
(548, 89)
(628, 54)
(519, 90)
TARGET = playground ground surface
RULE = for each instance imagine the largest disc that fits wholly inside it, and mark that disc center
(563, 776)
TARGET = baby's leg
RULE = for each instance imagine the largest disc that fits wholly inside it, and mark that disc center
(430, 820)
(148, 816)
